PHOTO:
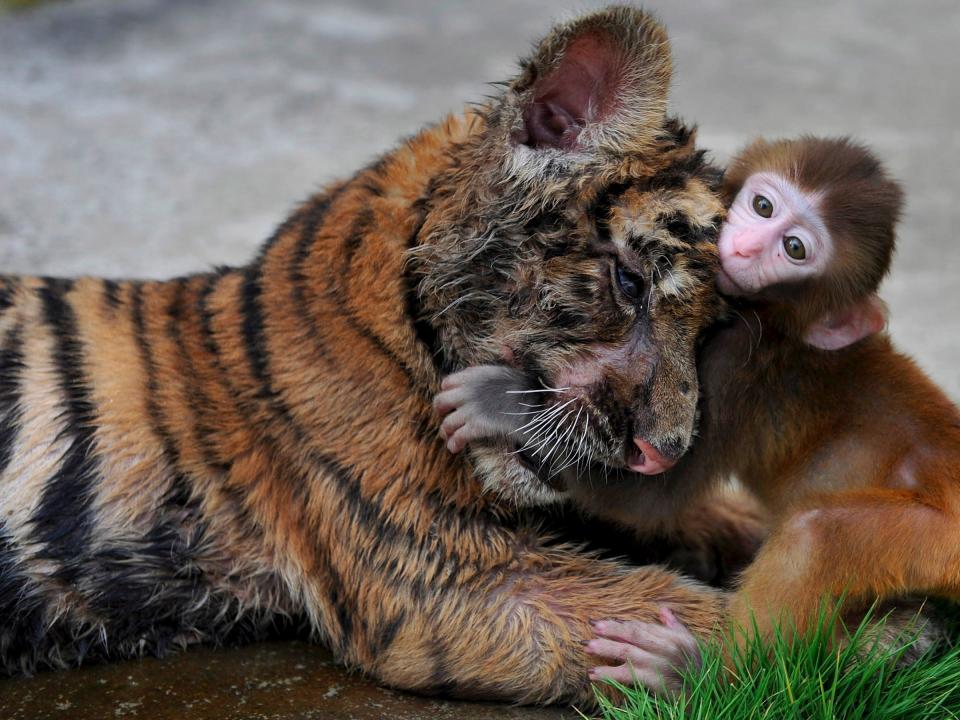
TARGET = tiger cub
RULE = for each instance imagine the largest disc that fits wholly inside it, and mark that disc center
(203, 458)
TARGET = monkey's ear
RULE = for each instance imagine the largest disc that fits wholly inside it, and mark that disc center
(598, 82)
(845, 327)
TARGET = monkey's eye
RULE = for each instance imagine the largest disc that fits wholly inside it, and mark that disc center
(794, 247)
(762, 206)
(628, 283)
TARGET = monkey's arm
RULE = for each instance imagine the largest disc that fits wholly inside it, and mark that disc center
(859, 545)
(485, 401)
(717, 535)
(708, 532)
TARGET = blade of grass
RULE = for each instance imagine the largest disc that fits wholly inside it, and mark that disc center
(811, 679)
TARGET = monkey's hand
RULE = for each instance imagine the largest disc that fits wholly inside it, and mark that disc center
(480, 402)
(648, 654)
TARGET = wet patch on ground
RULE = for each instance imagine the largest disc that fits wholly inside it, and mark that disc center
(279, 680)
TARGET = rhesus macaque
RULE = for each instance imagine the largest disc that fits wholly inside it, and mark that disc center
(852, 449)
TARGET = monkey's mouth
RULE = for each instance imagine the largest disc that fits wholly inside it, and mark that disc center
(728, 286)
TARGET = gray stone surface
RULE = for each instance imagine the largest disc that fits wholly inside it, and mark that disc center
(154, 137)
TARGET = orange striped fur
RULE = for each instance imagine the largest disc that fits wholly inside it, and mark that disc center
(208, 457)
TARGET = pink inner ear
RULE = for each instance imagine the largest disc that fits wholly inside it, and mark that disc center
(867, 317)
(579, 91)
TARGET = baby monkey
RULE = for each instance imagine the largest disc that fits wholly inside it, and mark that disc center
(851, 448)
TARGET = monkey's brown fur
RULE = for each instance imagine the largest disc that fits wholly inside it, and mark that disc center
(854, 452)
(183, 460)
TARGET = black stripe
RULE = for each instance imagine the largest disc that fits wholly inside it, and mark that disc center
(285, 227)
(608, 197)
(386, 634)
(306, 241)
(676, 175)
(372, 186)
(196, 397)
(211, 345)
(157, 424)
(11, 366)
(704, 265)
(111, 294)
(313, 221)
(341, 601)
(358, 230)
(440, 682)
(676, 133)
(63, 519)
(25, 633)
(254, 334)
(206, 322)
(673, 177)
(180, 492)
(8, 288)
(232, 494)
(313, 211)
(341, 298)
(258, 352)
(679, 225)
(424, 332)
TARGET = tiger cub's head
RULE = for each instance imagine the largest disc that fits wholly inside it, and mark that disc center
(574, 237)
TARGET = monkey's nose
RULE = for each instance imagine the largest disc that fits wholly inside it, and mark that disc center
(747, 244)
(647, 460)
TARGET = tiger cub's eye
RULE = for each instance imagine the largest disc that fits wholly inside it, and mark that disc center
(629, 283)
(762, 206)
(794, 247)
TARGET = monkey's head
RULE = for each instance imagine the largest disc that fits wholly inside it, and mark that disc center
(811, 225)
(575, 238)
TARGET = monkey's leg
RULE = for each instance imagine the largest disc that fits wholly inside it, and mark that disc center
(516, 633)
(860, 546)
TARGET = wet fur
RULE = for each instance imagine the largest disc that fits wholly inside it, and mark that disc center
(208, 457)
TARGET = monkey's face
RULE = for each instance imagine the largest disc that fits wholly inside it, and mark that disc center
(811, 226)
(774, 235)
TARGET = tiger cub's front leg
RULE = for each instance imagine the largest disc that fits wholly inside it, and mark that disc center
(516, 632)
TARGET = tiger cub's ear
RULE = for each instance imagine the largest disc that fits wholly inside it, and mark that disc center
(599, 82)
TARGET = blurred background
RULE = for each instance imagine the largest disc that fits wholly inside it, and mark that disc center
(155, 137)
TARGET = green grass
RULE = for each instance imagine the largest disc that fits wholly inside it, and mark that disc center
(809, 681)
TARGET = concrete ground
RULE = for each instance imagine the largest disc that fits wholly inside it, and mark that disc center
(154, 137)
(269, 681)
